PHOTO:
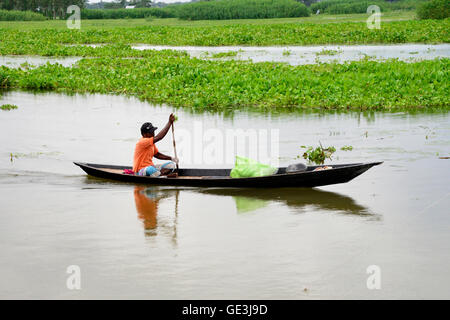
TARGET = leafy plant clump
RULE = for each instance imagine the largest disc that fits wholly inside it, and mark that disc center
(319, 154)
(165, 77)
(328, 52)
(65, 42)
(434, 9)
(7, 107)
(224, 54)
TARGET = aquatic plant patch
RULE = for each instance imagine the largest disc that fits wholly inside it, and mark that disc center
(319, 154)
(232, 85)
(7, 107)
(52, 41)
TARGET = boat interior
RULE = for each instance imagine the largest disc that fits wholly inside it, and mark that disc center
(201, 173)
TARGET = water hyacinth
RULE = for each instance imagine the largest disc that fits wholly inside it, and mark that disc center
(222, 85)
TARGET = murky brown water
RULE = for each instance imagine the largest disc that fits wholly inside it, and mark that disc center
(153, 242)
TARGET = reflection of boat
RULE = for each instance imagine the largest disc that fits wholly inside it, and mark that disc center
(294, 197)
(221, 177)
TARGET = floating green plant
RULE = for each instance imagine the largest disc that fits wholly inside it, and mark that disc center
(226, 54)
(7, 107)
(347, 148)
(328, 52)
(319, 154)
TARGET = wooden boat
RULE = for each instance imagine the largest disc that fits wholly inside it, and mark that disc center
(339, 173)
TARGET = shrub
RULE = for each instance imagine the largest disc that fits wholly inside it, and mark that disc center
(13, 15)
(126, 13)
(435, 9)
(240, 9)
(360, 6)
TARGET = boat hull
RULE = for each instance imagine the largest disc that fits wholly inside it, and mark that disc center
(220, 177)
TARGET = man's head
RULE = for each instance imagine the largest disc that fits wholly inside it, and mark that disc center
(148, 130)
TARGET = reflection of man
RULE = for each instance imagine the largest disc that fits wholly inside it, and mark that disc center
(146, 207)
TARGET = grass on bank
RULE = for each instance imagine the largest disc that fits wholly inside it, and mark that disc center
(130, 23)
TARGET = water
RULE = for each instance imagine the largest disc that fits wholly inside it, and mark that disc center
(293, 55)
(17, 61)
(300, 55)
(162, 242)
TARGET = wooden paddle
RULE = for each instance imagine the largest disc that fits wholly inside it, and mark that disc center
(174, 145)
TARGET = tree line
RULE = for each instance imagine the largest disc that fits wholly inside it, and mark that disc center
(49, 8)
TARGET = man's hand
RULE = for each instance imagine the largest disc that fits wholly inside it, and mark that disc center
(166, 128)
(173, 159)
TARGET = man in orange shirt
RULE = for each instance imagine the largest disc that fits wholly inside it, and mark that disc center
(145, 151)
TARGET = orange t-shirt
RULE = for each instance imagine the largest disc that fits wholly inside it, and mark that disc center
(143, 153)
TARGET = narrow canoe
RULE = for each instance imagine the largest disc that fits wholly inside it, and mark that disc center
(340, 173)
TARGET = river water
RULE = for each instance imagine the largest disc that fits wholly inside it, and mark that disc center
(293, 55)
(152, 242)
(300, 55)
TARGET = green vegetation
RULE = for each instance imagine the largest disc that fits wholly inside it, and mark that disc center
(50, 8)
(360, 6)
(173, 22)
(434, 9)
(240, 9)
(318, 155)
(221, 85)
(55, 41)
(347, 148)
(224, 54)
(7, 107)
(126, 13)
(328, 52)
(13, 15)
(168, 77)
(209, 10)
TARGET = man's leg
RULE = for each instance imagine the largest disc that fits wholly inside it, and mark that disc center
(149, 171)
(167, 168)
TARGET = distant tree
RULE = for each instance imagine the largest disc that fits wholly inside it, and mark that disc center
(50, 8)
(307, 2)
(143, 4)
(115, 4)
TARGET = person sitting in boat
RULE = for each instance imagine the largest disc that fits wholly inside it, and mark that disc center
(145, 151)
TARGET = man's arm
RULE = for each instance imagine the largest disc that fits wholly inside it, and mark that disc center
(161, 156)
(164, 131)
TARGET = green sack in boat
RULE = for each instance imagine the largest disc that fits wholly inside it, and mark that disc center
(245, 168)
